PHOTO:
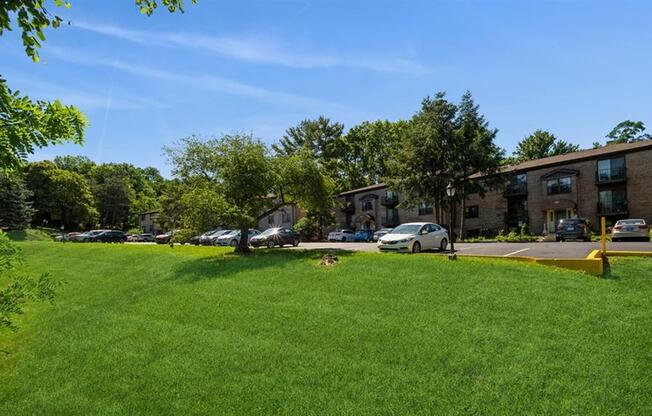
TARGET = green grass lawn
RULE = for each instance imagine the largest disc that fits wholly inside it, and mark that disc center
(195, 330)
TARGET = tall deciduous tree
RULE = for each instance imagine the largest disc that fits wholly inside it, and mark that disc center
(60, 195)
(542, 144)
(365, 150)
(627, 131)
(249, 182)
(15, 207)
(420, 168)
(473, 151)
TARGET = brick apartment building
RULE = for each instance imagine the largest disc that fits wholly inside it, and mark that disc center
(612, 181)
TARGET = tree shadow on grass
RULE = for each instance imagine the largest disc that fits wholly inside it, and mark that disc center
(226, 266)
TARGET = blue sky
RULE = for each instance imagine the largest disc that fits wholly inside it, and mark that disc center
(575, 68)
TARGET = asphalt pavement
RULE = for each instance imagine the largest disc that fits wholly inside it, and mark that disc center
(567, 249)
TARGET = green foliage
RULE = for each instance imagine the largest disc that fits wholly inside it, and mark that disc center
(26, 125)
(203, 206)
(419, 168)
(542, 144)
(311, 226)
(365, 150)
(182, 236)
(19, 289)
(627, 131)
(32, 16)
(78, 164)
(148, 6)
(243, 182)
(15, 208)
(60, 195)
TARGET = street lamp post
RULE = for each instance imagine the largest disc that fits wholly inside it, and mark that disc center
(450, 191)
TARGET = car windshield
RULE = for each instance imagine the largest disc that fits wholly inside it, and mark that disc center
(572, 221)
(630, 222)
(406, 229)
(269, 231)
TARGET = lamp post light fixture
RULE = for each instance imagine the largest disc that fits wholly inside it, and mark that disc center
(450, 191)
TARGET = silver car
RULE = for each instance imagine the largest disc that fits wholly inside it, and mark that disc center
(634, 229)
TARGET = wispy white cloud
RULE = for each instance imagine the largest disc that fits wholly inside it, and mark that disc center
(254, 49)
(86, 99)
(200, 81)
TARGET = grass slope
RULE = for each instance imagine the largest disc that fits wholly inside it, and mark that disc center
(155, 330)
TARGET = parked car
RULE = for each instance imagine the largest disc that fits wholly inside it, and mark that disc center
(109, 236)
(66, 237)
(86, 237)
(573, 229)
(233, 238)
(212, 239)
(380, 233)
(276, 237)
(164, 238)
(363, 235)
(196, 240)
(342, 235)
(141, 238)
(415, 237)
(630, 229)
(207, 238)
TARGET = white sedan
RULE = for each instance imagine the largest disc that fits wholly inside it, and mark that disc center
(341, 235)
(414, 237)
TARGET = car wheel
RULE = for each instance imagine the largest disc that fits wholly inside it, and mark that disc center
(416, 247)
(295, 242)
(443, 244)
(270, 244)
(344, 239)
(233, 243)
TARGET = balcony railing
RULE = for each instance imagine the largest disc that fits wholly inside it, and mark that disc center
(389, 200)
(516, 189)
(348, 207)
(611, 175)
(613, 208)
(390, 221)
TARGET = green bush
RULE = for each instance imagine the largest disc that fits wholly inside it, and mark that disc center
(183, 236)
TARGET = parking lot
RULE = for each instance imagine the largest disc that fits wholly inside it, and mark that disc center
(569, 249)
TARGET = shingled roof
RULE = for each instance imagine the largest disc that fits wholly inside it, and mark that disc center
(588, 154)
(576, 156)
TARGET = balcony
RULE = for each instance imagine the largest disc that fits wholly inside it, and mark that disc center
(348, 207)
(516, 189)
(390, 200)
(611, 175)
(390, 221)
(614, 208)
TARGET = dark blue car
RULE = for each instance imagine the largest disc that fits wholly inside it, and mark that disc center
(364, 235)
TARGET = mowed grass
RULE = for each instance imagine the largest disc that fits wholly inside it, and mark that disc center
(196, 330)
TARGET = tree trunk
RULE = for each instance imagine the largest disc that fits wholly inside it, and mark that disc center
(243, 244)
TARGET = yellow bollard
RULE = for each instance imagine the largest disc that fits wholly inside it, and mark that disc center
(603, 237)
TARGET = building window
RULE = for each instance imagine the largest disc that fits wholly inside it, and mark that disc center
(472, 211)
(425, 208)
(559, 185)
(611, 169)
(368, 205)
(517, 184)
(612, 202)
(270, 220)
